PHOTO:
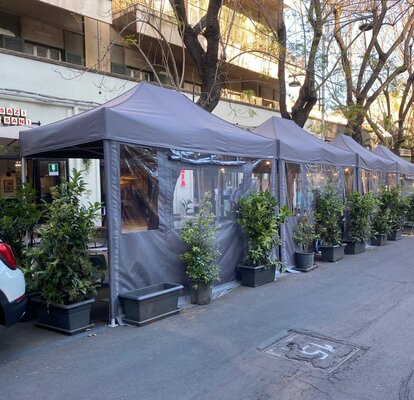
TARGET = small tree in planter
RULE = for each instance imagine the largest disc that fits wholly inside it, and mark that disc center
(260, 221)
(304, 234)
(409, 216)
(200, 234)
(18, 216)
(360, 208)
(63, 271)
(396, 206)
(328, 213)
(380, 223)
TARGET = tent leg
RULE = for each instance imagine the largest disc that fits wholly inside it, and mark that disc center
(113, 323)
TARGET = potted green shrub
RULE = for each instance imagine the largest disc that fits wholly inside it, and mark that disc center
(328, 213)
(409, 216)
(380, 223)
(260, 220)
(359, 209)
(396, 206)
(200, 234)
(61, 265)
(303, 235)
(18, 216)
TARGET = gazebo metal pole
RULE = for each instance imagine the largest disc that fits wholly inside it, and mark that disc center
(24, 180)
(112, 200)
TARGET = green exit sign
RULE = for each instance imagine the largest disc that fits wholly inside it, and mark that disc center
(53, 169)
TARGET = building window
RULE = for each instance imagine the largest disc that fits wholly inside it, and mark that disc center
(43, 52)
(138, 74)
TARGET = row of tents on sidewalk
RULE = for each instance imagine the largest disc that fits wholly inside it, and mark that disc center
(175, 153)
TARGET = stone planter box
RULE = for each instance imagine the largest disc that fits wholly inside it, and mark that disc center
(69, 319)
(303, 260)
(395, 235)
(379, 240)
(151, 303)
(332, 253)
(256, 276)
(355, 247)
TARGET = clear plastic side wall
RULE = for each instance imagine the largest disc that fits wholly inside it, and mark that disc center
(160, 191)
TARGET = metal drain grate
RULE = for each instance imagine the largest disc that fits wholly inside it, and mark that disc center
(313, 349)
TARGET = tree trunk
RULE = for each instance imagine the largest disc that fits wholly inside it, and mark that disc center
(354, 128)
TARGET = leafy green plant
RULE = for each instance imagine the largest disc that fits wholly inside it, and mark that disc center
(360, 207)
(18, 216)
(304, 234)
(396, 207)
(200, 234)
(260, 221)
(61, 266)
(328, 215)
(409, 216)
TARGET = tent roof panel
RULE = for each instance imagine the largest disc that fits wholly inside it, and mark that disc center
(366, 158)
(151, 116)
(404, 166)
(298, 145)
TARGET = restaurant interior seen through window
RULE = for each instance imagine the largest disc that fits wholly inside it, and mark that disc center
(139, 189)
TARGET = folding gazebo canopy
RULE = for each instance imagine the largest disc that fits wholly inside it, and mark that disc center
(299, 146)
(308, 161)
(152, 117)
(404, 167)
(366, 159)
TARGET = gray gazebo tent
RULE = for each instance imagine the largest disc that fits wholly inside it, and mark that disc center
(405, 169)
(372, 169)
(156, 143)
(305, 164)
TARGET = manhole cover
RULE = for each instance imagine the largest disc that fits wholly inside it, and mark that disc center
(318, 351)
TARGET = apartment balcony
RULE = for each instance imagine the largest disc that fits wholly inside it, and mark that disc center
(246, 97)
(247, 44)
(101, 10)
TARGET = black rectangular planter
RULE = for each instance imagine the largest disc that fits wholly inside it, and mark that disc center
(256, 276)
(379, 239)
(31, 307)
(151, 303)
(69, 319)
(408, 229)
(355, 247)
(332, 253)
(395, 235)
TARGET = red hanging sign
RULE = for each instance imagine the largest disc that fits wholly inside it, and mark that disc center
(182, 172)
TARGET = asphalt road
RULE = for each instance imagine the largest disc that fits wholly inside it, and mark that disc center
(343, 331)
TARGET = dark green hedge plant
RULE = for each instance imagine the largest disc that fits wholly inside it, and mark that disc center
(62, 269)
(260, 219)
(328, 214)
(304, 234)
(360, 207)
(200, 236)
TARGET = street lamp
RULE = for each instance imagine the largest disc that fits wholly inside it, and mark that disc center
(367, 26)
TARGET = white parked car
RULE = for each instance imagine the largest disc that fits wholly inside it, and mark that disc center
(12, 287)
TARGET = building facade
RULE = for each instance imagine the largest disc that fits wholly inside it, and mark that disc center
(61, 57)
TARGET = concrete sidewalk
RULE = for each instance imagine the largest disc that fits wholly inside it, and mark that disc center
(363, 303)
